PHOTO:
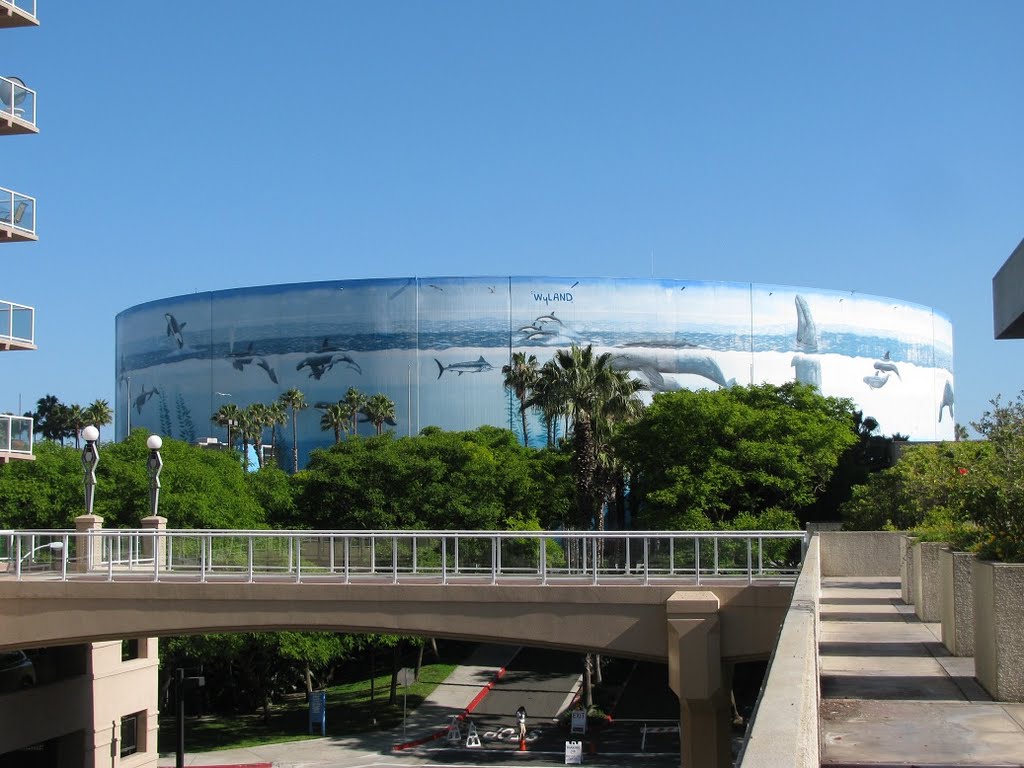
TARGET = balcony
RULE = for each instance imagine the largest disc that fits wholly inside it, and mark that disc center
(15, 438)
(18, 13)
(17, 105)
(17, 216)
(17, 326)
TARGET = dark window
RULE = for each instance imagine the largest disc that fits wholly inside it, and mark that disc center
(129, 649)
(130, 734)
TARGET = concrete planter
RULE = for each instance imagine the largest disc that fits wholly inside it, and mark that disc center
(998, 618)
(956, 572)
(927, 580)
(907, 569)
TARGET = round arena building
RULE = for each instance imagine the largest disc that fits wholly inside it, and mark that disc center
(436, 346)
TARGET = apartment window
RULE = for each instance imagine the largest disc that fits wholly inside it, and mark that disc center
(129, 649)
(131, 726)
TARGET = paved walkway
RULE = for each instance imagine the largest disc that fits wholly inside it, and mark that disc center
(461, 690)
(893, 696)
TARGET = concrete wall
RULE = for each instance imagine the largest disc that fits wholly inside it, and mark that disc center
(956, 571)
(84, 711)
(784, 733)
(907, 569)
(927, 580)
(1008, 297)
(860, 553)
(998, 618)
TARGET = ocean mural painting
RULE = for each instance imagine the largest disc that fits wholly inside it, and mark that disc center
(436, 347)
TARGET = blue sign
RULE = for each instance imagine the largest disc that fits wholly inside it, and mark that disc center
(318, 711)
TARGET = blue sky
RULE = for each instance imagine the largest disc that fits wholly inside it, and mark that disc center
(873, 147)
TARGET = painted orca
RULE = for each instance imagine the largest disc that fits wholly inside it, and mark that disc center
(174, 329)
(947, 400)
(143, 398)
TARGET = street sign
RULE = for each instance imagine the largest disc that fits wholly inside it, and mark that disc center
(406, 676)
(574, 753)
(318, 711)
(579, 721)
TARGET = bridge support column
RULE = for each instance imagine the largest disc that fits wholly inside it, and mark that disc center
(155, 546)
(695, 675)
(88, 549)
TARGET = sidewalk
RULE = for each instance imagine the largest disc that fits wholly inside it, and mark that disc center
(462, 690)
(892, 695)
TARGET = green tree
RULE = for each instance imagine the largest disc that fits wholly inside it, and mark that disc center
(520, 376)
(355, 401)
(701, 458)
(379, 409)
(598, 398)
(335, 418)
(99, 414)
(294, 401)
(1000, 510)
(228, 416)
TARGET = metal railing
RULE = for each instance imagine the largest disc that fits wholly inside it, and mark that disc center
(26, 6)
(17, 323)
(15, 434)
(17, 210)
(17, 100)
(442, 557)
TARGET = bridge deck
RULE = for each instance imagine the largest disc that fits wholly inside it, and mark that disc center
(891, 693)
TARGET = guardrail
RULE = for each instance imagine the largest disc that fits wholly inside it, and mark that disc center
(15, 434)
(445, 557)
(17, 99)
(17, 323)
(17, 210)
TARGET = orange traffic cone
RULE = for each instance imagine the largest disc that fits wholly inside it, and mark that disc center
(522, 744)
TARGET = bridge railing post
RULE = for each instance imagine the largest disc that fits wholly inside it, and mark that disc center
(154, 546)
(88, 546)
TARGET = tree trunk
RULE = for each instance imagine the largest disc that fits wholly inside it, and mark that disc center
(373, 681)
(522, 414)
(419, 660)
(598, 678)
(309, 680)
(588, 683)
(433, 646)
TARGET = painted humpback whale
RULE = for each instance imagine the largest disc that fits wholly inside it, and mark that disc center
(653, 363)
(805, 361)
(947, 400)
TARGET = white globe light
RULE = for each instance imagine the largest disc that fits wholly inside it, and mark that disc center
(154, 442)
(90, 434)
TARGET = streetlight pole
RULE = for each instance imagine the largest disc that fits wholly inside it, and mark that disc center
(153, 465)
(128, 408)
(90, 458)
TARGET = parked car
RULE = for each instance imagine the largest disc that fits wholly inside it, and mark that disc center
(16, 671)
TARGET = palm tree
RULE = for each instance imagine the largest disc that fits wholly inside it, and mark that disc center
(295, 401)
(250, 428)
(355, 401)
(520, 376)
(277, 414)
(379, 409)
(76, 422)
(335, 417)
(597, 397)
(257, 418)
(547, 396)
(228, 415)
(99, 414)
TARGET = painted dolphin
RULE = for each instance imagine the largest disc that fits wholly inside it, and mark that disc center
(143, 398)
(806, 330)
(317, 364)
(653, 365)
(335, 359)
(877, 381)
(549, 318)
(469, 366)
(174, 329)
(266, 367)
(947, 400)
(884, 365)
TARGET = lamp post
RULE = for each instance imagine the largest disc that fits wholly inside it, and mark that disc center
(153, 465)
(90, 458)
(230, 423)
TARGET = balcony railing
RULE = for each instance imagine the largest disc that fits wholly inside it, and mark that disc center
(17, 101)
(17, 215)
(17, 326)
(407, 557)
(15, 434)
(18, 13)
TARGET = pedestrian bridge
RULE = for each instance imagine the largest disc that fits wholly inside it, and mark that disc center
(695, 600)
